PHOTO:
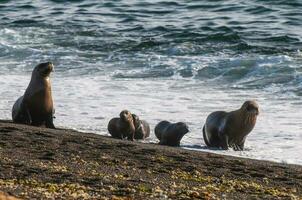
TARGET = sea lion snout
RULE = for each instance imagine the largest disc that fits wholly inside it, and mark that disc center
(251, 107)
(253, 110)
(51, 66)
(183, 126)
(45, 69)
(125, 115)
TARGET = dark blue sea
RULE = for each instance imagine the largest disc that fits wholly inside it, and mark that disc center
(162, 60)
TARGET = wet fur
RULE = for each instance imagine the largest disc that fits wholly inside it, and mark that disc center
(142, 128)
(229, 129)
(170, 134)
(35, 107)
(122, 127)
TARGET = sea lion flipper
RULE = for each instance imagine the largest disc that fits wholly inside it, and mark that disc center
(162, 142)
(53, 113)
(205, 138)
(224, 140)
(131, 134)
(19, 112)
(241, 146)
(28, 117)
(130, 137)
(24, 114)
(49, 122)
(237, 147)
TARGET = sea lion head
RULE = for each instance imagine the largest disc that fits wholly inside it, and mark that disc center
(136, 121)
(250, 111)
(126, 116)
(251, 107)
(43, 69)
(182, 127)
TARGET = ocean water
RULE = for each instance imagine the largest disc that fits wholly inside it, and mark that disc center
(163, 60)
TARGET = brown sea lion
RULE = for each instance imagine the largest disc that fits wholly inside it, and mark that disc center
(230, 129)
(35, 107)
(170, 134)
(142, 128)
(122, 127)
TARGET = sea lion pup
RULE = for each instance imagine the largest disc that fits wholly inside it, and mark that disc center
(170, 133)
(230, 129)
(35, 107)
(122, 127)
(142, 128)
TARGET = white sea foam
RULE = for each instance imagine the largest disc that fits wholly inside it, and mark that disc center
(176, 71)
(87, 104)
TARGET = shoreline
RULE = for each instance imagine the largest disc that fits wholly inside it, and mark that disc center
(193, 147)
(63, 163)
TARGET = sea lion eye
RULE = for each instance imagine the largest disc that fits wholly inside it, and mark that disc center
(43, 65)
(251, 108)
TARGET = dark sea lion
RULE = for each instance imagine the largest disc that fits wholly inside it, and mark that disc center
(35, 107)
(122, 127)
(230, 129)
(142, 128)
(170, 133)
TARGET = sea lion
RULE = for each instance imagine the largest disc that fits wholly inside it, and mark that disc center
(230, 129)
(122, 127)
(142, 128)
(35, 107)
(170, 133)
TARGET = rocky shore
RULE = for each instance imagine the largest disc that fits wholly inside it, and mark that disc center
(39, 163)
